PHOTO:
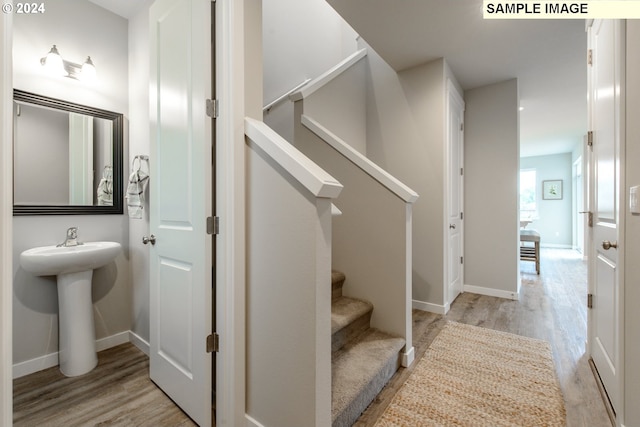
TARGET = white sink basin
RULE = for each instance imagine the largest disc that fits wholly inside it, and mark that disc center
(53, 260)
(73, 267)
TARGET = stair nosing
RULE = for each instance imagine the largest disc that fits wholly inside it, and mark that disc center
(352, 352)
(339, 320)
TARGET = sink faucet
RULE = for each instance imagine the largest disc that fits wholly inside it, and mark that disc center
(72, 238)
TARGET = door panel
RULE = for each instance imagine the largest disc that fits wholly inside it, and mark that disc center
(455, 203)
(180, 202)
(605, 319)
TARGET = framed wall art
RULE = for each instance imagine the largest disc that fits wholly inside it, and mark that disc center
(552, 189)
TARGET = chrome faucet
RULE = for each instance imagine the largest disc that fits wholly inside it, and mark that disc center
(72, 238)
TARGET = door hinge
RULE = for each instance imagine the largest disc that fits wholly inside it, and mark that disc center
(461, 215)
(590, 57)
(590, 138)
(213, 225)
(461, 171)
(589, 300)
(590, 220)
(462, 127)
(213, 343)
(213, 108)
(461, 260)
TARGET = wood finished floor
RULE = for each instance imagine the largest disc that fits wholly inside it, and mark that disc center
(551, 307)
(118, 392)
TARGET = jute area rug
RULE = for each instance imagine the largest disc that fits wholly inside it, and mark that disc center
(471, 376)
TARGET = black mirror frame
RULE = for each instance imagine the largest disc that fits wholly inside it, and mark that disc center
(117, 120)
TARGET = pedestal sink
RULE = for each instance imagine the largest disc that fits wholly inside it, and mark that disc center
(73, 267)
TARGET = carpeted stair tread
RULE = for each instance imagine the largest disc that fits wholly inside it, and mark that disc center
(360, 372)
(346, 310)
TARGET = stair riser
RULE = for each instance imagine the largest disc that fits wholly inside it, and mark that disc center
(351, 413)
(350, 332)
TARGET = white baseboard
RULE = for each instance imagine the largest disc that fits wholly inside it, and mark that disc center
(112, 341)
(34, 365)
(555, 246)
(490, 292)
(408, 357)
(50, 360)
(251, 422)
(431, 308)
(139, 342)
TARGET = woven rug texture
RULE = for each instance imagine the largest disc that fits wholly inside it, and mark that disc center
(472, 376)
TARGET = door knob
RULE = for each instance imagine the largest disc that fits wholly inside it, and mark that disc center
(452, 226)
(151, 239)
(606, 245)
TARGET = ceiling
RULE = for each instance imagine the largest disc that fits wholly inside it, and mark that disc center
(124, 8)
(547, 56)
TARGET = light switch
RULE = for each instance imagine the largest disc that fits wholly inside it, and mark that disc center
(634, 202)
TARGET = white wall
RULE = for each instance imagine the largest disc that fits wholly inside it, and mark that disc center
(288, 298)
(102, 35)
(341, 106)
(491, 191)
(555, 217)
(301, 39)
(632, 231)
(79, 29)
(406, 136)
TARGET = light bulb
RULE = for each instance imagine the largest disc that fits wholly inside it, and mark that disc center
(53, 63)
(88, 72)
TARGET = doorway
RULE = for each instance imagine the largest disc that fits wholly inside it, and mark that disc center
(579, 208)
(455, 198)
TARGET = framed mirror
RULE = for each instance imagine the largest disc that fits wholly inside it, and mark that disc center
(67, 157)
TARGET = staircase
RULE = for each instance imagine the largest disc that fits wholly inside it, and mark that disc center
(363, 359)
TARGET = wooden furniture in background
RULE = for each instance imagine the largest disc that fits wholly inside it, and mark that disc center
(530, 253)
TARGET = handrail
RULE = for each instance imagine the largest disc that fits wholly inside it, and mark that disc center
(309, 174)
(325, 78)
(373, 170)
(267, 108)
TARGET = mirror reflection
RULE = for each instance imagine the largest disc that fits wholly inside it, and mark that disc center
(67, 157)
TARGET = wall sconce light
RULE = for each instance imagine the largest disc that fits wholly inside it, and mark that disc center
(56, 66)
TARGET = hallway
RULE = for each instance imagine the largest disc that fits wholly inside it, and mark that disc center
(552, 307)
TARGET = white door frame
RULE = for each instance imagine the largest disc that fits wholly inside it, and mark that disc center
(6, 221)
(230, 208)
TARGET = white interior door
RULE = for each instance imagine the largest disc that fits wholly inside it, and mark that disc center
(605, 286)
(180, 202)
(455, 202)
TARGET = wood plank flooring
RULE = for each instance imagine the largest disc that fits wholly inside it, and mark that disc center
(118, 392)
(552, 307)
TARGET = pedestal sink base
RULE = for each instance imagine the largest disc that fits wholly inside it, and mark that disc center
(77, 341)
